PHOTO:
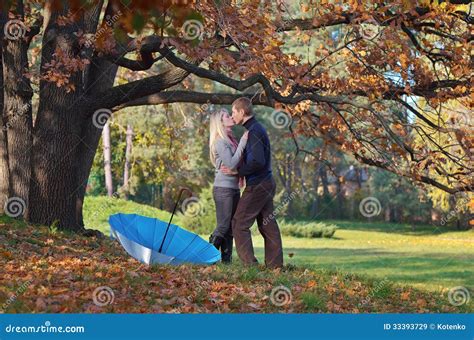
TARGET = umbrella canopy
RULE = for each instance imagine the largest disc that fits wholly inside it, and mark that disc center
(149, 240)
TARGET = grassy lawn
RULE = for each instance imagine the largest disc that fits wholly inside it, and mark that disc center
(422, 256)
(98, 209)
(430, 261)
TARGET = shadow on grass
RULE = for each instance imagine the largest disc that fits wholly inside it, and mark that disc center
(432, 269)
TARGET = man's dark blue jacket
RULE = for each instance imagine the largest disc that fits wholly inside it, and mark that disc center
(256, 165)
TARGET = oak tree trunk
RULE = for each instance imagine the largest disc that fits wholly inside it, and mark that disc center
(4, 171)
(57, 138)
(128, 156)
(18, 116)
(107, 160)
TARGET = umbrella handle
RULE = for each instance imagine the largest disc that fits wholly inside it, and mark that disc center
(172, 214)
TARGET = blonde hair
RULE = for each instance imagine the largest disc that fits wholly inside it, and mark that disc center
(217, 131)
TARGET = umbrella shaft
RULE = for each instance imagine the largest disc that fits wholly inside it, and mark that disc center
(172, 214)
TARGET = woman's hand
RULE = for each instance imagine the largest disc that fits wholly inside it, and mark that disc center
(225, 170)
(245, 135)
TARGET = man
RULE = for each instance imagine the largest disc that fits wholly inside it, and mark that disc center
(257, 199)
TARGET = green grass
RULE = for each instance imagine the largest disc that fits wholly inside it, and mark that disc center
(430, 261)
(98, 209)
(423, 256)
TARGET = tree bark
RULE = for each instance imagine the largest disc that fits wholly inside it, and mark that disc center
(340, 200)
(65, 124)
(102, 74)
(315, 204)
(107, 160)
(4, 170)
(99, 75)
(57, 137)
(128, 156)
(324, 180)
(17, 112)
(289, 182)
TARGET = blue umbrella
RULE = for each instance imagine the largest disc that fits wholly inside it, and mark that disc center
(151, 240)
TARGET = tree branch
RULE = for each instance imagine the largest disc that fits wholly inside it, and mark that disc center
(179, 96)
(145, 63)
(121, 94)
(240, 85)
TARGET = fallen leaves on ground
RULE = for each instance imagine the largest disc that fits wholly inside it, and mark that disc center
(57, 272)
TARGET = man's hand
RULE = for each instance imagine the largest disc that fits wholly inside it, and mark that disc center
(228, 171)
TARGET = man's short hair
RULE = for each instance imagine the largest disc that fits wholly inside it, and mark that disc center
(243, 103)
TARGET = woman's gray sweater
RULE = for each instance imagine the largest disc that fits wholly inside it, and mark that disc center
(226, 154)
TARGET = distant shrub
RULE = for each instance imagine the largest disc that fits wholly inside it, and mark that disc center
(308, 230)
(329, 231)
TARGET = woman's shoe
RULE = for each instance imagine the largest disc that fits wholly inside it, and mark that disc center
(216, 241)
(226, 259)
(226, 250)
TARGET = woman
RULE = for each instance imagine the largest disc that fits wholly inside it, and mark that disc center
(224, 150)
